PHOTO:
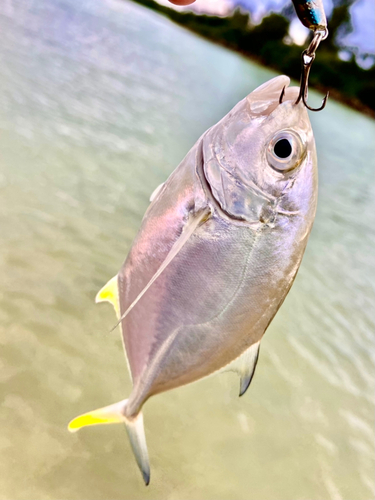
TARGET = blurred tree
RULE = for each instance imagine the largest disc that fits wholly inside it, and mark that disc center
(264, 38)
(272, 27)
(339, 23)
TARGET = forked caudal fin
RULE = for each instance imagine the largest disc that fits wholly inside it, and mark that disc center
(114, 414)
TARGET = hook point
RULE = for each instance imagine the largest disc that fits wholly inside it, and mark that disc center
(282, 95)
(308, 57)
(323, 105)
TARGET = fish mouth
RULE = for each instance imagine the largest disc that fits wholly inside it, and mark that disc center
(266, 98)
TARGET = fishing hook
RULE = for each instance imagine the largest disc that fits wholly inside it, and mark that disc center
(308, 57)
(282, 95)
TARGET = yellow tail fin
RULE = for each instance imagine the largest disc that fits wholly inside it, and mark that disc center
(114, 414)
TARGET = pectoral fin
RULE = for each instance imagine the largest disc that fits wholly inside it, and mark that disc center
(189, 228)
(245, 366)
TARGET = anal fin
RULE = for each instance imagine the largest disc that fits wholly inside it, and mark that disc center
(109, 293)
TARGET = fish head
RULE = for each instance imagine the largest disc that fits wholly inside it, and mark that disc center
(260, 159)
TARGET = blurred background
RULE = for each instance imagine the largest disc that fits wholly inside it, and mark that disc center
(270, 32)
(99, 102)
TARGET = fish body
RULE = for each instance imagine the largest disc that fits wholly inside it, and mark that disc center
(216, 254)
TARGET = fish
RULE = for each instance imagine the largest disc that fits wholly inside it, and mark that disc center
(216, 254)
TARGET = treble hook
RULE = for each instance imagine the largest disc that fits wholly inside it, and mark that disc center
(308, 57)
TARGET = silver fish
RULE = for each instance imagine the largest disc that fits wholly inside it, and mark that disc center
(216, 254)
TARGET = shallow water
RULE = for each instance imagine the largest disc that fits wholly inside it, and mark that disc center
(99, 101)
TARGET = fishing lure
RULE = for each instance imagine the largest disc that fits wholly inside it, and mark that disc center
(217, 252)
(311, 14)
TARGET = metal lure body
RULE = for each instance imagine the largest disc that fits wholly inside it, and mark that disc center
(311, 14)
(216, 254)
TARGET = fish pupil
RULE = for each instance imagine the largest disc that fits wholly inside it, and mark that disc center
(283, 148)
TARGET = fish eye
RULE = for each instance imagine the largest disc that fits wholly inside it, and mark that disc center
(285, 151)
(283, 148)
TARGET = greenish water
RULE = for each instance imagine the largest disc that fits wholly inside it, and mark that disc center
(99, 101)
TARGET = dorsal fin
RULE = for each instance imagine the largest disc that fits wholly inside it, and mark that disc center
(245, 366)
